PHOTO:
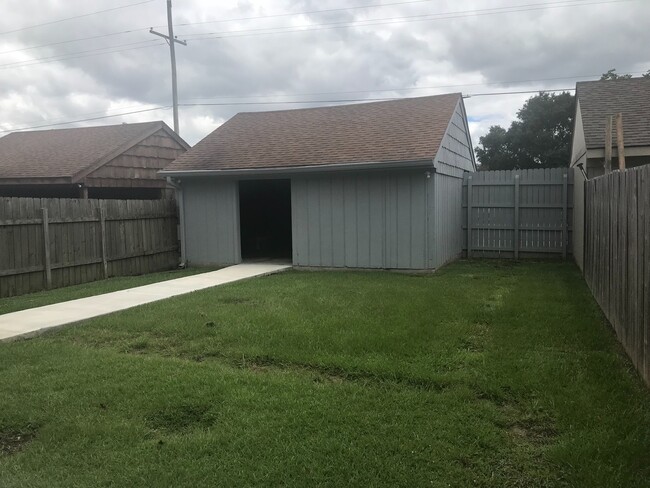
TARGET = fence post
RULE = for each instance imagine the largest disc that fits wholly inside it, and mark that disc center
(469, 216)
(46, 249)
(565, 217)
(102, 233)
(516, 236)
(608, 144)
(620, 145)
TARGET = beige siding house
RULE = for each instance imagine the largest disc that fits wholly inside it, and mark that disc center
(595, 102)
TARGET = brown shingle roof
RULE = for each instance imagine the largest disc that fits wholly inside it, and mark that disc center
(609, 97)
(399, 130)
(63, 153)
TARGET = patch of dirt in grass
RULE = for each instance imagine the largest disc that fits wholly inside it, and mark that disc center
(181, 418)
(495, 300)
(333, 374)
(499, 397)
(537, 430)
(475, 341)
(529, 432)
(235, 300)
(503, 263)
(14, 439)
(205, 356)
(522, 423)
(137, 347)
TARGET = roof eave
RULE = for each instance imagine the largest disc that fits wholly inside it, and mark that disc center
(288, 170)
(630, 151)
(36, 180)
(149, 131)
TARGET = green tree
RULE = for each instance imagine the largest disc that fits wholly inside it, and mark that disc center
(539, 138)
(613, 75)
(494, 150)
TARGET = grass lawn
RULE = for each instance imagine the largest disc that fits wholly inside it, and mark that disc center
(31, 300)
(483, 374)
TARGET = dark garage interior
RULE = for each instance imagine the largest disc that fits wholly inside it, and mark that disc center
(265, 219)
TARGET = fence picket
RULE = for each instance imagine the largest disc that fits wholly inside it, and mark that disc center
(135, 238)
(617, 257)
(518, 213)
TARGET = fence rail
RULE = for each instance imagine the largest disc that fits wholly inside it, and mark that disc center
(59, 242)
(617, 257)
(518, 213)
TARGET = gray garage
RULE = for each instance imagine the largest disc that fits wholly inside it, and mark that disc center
(372, 185)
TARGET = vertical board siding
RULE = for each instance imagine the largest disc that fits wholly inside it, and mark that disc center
(211, 209)
(445, 192)
(448, 232)
(361, 220)
(544, 209)
(616, 251)
(140, 237)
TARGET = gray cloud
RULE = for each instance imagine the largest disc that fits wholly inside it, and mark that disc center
(473, 51)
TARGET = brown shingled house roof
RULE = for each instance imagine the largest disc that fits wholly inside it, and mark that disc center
(608, 97)
(67, 155)
(393, 131)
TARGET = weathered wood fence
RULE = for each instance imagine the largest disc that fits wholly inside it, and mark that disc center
(518, 213)
(617, 256)
(48, 243)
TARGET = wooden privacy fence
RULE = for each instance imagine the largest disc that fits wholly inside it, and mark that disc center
(59, 242)
(617, 256)
(518, 213)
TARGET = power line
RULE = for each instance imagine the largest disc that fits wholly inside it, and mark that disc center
(394, 20)
(362, 91)
(111, 34)
(94, 52)
(492, 94)
(293, 102)
(58, 43)
(327, 26)
(88, 114)
(353, 100)
(216, 21)
(309, 12)
(88, 119)
(75, 17)
(384, 90)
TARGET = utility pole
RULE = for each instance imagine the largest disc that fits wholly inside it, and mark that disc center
(171, 40)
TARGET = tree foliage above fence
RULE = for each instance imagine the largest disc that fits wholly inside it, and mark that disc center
(539, 138)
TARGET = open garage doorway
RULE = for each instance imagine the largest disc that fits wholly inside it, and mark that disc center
(265, 219)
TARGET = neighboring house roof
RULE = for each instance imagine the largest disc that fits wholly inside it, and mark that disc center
(70, 154)
(392, 131)
(599, 99)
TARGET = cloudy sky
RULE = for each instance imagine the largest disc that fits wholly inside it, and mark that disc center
(252, 55)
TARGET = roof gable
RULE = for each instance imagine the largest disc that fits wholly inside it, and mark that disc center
(68, 154)
(598, 99)
(393, 131)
